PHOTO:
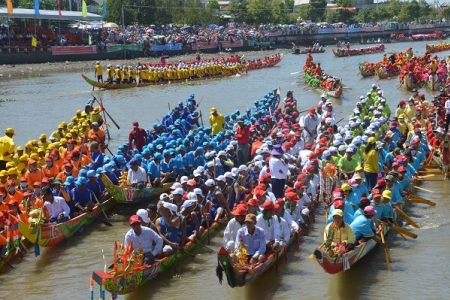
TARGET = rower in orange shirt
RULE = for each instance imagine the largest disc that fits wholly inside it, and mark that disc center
(50, 169)
(37, 202)
(33, 174)
(97, 134)
(318, 70)
(3, 196)
(13, 191)
(309, 58)
(58, 161)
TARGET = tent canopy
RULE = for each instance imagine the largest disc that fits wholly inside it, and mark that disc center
(23, 13)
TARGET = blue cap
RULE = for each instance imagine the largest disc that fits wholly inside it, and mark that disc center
(182, 147)
(69, 180)
(195, 113)
(159, 147)
(80, 181)
(155, 125)
(107, 168)
(191, 95)
(126, 144)
(82, 173)
(138, 157)
(177, 122)
(158, 156)
(100, 170)
(91, 173)
(133, 161)
(145, 151)
(200, 149)
(180, 103)
(248, 110)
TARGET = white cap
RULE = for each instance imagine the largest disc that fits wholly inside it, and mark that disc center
(178, 191)
(143, 214)
(184, 179)
(233, 143)
(163, 196)
(210, 183)
(259, 164)
(243, 168)
(374, 85)
(269, 143)
(229, 147)
(198, 191)
(172, 207)
(201, 169)
(188, 203)
(258, 158)
(210, 164)
(228, 175)
(305, 211)
(197, 173)
(279, 134)
(323, 96)
(235, 172)
(220, 178)
(176, 185)
(192, 196)
(221, 152)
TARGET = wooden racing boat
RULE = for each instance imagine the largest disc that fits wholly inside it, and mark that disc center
(382, 75)
(120, 283)
(115, 86)
(365, 73)
(407, 85)
(128, 195)
(437, 47)
(333, 94)
(240, 276)
(52, 234)
(305, 50)
(333, 265)
(360, 51)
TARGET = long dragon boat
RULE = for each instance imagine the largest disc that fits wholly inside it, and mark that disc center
(337, 93)
(52, 234)
(129, 195)
(240, 275)
(306, 50)
(437, 47)
(360, 51)
(115, 86)
(124, 282)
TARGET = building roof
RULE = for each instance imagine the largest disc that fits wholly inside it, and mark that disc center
(23, 13)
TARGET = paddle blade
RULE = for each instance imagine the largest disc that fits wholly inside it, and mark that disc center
(311, 256)
(407, 218)
(405, 232)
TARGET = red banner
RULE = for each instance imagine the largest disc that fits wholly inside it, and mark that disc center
(61, 50)
(204, 45)
(239, 43)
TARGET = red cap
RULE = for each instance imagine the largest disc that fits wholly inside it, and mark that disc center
(312, 155)
(264, 178)
(2, 188)
(401, 169)
(276, 207)
(280, 202)
(312, 111)
(239, 210)
(31, 161)
(299, 185)
(289, 190)
(292, 196)
(258, 192)
(135, 124)
(26, 194)
(36, 183)
(295, 126)
(48, 158)
(75, 153)
(381, 182)
(191, 182)
(134, 219)
(13, 202)
(338, 204)
(268, 205)
(301, 176)
(70, 141)
(55, 152)
(253, 202)
(45, 180)
(309, 168)
(23, 179)
(337, 195)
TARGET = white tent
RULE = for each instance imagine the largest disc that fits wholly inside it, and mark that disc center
(23, 13)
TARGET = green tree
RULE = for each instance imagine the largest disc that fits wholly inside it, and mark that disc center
(239, 10)
(317, 10)
(193, 10)
(261, 11)
(211, 13)
(279, 12)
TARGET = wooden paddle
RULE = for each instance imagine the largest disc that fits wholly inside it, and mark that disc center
(104, 221)
(426, 176)
(399, 229)
(424, 189)
(118, 127)
(407, 218)
(418, 199)
(204, 246)
(386, 253)
(401, 234)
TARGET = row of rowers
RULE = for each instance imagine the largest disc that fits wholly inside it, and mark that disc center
(183, 216)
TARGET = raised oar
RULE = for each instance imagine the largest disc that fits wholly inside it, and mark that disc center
(418, 199)
(424, 189)
(106, 221)
(118, 127)
(386, 253)
(407, 218)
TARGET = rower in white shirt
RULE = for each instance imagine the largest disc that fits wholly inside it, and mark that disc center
(56, 206)
(269, 223)
(136, 174)
(229, 235)
(285, 232)
(143, 238)
(293, 226)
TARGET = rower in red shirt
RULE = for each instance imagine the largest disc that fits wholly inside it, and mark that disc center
(137, 137)
(242, 135)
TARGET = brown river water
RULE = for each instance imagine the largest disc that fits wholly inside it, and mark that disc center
(420, 269)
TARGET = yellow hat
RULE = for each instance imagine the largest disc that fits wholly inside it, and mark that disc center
(23, 158)
(78, 112)
(74, 119)
(401, 116)
(19, 148)
(12, 171)
(64, 124)
(42, 136)
(371, 140)
(85, 124)
(83, 114)
(40, 150)
(387, 194)
(51, 147)
(97, 108)
(63, 141)
(10, 164)
(60, 126)
(74, 130)
(338, 212)
(10, 130)
(34, 142)
(3, 173)
(346, 187)
(20, 167)
(213, 110)
(57, 144)
(68, 135)
(35, 156)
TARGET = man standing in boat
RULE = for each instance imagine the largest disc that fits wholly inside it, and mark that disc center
(137, 137)
(6, 148)
(217, 121)
(99, 72)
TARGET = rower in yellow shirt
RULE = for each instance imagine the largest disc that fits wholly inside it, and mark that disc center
(99, 72)
(118, 74)
(43, 142)
(17, 155)
(97, 116)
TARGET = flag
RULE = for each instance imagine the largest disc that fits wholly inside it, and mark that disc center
(84, 9)
(9, 7)
(90, 40)
(33, 42)
(104, 9)
(59, 8)
(36, 7)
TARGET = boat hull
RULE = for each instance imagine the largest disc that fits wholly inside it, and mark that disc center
(53, 234)
(382, 75)
(370, 50)
(330, 94)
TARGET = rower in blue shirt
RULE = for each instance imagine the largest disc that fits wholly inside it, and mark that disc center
(82, 196)
(363, 228)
